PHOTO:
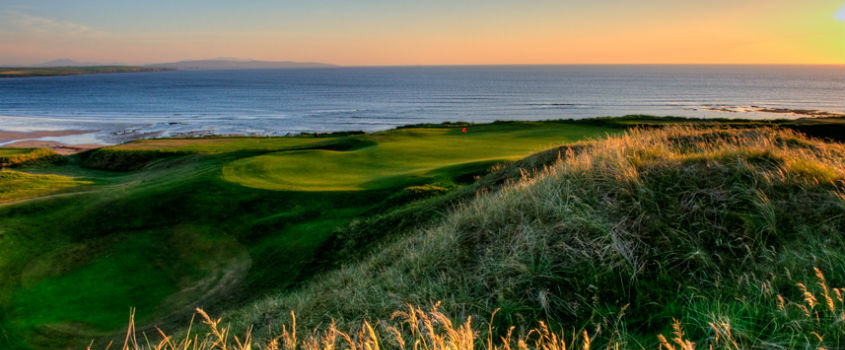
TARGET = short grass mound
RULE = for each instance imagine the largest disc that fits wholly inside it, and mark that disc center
(718, 229)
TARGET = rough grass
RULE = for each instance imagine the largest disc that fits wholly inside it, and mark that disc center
(16, 157)
(415, 328)
(15, 185)
(712, 227)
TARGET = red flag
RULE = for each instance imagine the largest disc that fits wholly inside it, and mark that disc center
(464, 130)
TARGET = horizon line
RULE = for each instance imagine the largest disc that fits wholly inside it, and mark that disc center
(334, 65)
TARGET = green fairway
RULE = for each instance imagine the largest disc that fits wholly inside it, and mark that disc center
(400, 157)
(196, 222)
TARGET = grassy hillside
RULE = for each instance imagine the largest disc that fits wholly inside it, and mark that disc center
(719, 229)
(616, 238)
(167, 225)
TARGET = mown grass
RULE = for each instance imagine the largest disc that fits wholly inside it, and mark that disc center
(709, 227)
(67, 262)
(400, 157)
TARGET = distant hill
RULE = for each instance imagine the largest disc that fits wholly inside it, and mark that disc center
(231, 63)
(66, 66)
(215, 63)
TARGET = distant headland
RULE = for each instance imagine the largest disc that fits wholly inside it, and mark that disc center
(21, 72)
(70, 67)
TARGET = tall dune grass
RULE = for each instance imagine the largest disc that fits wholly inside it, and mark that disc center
(676, 238)
(819, 307)
(16, 157)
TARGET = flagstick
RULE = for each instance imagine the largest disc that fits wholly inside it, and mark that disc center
(466, 142)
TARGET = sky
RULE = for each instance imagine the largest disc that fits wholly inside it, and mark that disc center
(426, 32)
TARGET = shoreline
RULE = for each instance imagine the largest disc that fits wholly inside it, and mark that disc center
(55, 139)
(58, 147)
(6, 136)
(35, 139)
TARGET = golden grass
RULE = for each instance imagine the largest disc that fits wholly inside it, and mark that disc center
(20, 156)
(16, 185)
(636, 206)
(418, 329)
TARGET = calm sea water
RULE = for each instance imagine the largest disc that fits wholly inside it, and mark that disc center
(281, 101)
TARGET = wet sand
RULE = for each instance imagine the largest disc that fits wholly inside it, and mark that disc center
(17, 135)
(58, 147)
(800, 112)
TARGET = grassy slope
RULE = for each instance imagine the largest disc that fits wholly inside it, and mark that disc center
(177, 233)
(16, 185)
(5, 152)
(712, 227)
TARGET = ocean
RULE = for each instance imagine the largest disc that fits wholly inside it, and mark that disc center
(119, 107)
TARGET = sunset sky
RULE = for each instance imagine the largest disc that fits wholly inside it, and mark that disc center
(394, 32)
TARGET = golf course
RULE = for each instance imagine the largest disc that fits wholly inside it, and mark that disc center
(253, 227)
(167, 225)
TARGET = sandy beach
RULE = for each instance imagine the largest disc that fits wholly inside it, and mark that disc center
(29, 140)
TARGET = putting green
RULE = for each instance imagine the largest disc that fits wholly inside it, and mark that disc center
(399, 157)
